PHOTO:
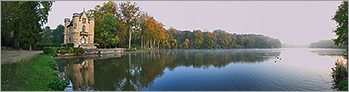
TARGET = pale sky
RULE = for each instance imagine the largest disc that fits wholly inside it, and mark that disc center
(293, 22)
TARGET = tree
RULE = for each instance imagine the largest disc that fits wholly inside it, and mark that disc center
(223, 38)
(151, 32)
(209, 40)
(107, 35)
(129, 13)
(341, 18)
(107, 25)
(188, 39)
(161, 34)
(22, 21)
(186, 43)
(46, 35)
(58, 34)
(143, 26)
(323, 44)
(118, 26)
(198, 38)
(172, 37)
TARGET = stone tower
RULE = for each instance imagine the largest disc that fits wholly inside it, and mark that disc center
(79, 31)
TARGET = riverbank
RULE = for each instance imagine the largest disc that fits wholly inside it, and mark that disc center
(340, 74)
(10, 56)
(31, 74)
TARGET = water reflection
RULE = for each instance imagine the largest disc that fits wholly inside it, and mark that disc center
(81, 74)
(137, 71)
(329, 52)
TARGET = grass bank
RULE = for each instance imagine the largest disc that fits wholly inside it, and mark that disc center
(28, 75)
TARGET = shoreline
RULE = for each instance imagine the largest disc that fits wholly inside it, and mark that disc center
(37, 73)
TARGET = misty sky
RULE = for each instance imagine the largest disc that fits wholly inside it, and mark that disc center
(293, 22)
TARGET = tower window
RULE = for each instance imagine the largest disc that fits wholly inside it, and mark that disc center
(75, 25)
(83, 40)
(84, 20)
(69, 40)
(83, 28)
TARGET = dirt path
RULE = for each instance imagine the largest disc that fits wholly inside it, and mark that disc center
(9, 56)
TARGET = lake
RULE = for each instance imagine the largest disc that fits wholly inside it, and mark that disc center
(292, 69)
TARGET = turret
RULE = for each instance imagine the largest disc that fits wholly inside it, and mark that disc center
(91, 29)
(75, 20)
(66, 22)
(75, 30)
(66, 29)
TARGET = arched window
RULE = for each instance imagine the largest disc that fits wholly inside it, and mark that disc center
(83, 40)
(69, 39)
(83, 28)
(84, 20)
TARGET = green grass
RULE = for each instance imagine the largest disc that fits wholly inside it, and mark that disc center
(28, 75)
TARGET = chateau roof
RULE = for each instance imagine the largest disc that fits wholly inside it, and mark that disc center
(81, 14)
(71, 23)
(77, 14)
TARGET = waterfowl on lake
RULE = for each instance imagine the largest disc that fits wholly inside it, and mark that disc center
(277, 57)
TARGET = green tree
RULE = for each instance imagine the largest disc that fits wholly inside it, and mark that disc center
(172, 38)
(58, 34)
(340, 71)
(46, 35)
(209, 40)
(22, 21)
(107, 25)
(107, 34)
(223, 38)
(341, 18)
(199, 38)
(143, 30)
(129, 14)
(132, 25)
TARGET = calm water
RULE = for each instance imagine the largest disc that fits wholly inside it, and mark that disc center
(205, 69)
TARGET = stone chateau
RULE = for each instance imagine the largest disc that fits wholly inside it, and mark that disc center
(79, 31)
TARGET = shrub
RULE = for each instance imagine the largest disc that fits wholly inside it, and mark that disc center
(58, 84)
(56, 44)
(70, 50)
(62, 51)
(53, 65)
(340, 75)
(50, 50)
(41, 46)
(68, 45)
(79, 51)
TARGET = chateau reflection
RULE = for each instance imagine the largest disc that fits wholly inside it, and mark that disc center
(81, 74)
(136, 71)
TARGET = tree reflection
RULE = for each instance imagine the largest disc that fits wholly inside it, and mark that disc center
(136, 71)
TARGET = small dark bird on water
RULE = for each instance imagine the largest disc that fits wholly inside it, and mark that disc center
(278, 58)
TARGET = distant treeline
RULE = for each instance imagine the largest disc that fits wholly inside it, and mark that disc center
(324, 44)
(221, 39)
